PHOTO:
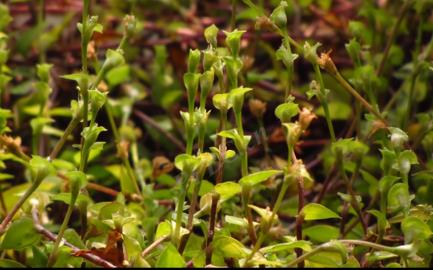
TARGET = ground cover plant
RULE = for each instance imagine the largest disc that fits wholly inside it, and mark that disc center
(241, 133)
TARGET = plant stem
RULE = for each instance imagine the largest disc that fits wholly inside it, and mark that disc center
(152, 123)
(38, 180)
(155, 244)
(354, 201)
(246, 194)
(404, 9)
(264, 139)
(40, 21)
(300, 217)
(69, 129)
(327, 245)
(179, 208)
(357, 96)
(86, 255)
(221, 144)
(263, 233)
(53, 256)
(244, 162)
(211, 231)
(233, 15)
(324, 102)
(195, 183)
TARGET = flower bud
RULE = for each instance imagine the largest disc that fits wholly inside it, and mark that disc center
(257, 107)
(310, 52)
(278, 16)
(123, 149)
(161, 165)
(327, 64)
(265, 23)
(233, 41)
(211, 34)
(193, 60)
(293, 132)
(305, 118)
(209, 59)
(206, 83)
(221, 101)
(129, 23)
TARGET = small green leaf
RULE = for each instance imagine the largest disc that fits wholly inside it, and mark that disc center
(415, 229)
(321, 233)
(304, 245)
(170, 257)
(113, 58)
(7, 263)
(21, 234)
(227, 190)
(399, 198)
(314, 211)
(286, 111)
(164, 229)
(257, 178)
(66, 198)
(229, 247)
(186, 163)
(404, 161)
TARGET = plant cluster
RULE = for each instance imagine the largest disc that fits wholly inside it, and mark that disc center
(97, 194)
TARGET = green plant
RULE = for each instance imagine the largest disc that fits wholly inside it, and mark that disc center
(280, 134)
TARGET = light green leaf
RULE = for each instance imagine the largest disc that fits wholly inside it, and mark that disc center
(170, 257)
(314, 211)
(304, 245)
(229, 247)
(21, 234)
(415, 229)
(227, 190)
(258, 177)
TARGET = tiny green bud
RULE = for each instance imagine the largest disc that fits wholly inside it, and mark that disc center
(237, 97)
(211, 34)
(293, 132)
(209, 59)
(233, 67)
(113, 58)
(191, 81)
(286, 56)
(40, 168)
(221, 101)
(286, 111)
(186, 163)
(398, 137)
(206, 83)
(233, 41)
(43, 71)
(310, 52)
(97, 100)
(193, 60)
(278, 16)
(129, 23)
(77, 180)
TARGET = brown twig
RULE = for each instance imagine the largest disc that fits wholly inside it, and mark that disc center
(154, 245)
(75, 250)
(300, 218)
(148, 120)
(211, 232)
(404, 9)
